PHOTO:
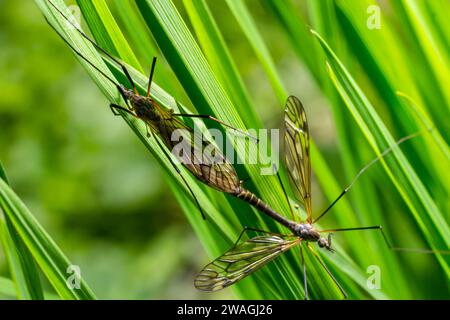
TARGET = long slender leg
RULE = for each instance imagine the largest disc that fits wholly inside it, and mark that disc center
(246, 229)
(328, 271)
(95, 67)
(115, 107)
(387, 241)
(78, 53)
(305, 279)
(179, 173)
(206, 116)
(367, 166)
(97, 46)
(284, 192)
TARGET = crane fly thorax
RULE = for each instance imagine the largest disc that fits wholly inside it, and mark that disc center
(142, 106)
(306, 231)
(144, 109)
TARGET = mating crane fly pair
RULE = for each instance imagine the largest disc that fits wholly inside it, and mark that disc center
(248, 256)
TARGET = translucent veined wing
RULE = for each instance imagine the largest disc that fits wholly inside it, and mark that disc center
(202, 158)
(242, 260)
(296, 143)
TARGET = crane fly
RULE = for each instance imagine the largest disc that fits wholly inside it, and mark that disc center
(161, 123)
(216, 172)
(248, 256)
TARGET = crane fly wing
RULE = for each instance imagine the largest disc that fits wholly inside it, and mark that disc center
(297, 148)
(242, 260)
(202, 158)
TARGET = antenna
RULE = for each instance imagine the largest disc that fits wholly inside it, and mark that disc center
(150, 79)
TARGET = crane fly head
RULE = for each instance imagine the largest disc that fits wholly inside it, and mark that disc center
(325, 243)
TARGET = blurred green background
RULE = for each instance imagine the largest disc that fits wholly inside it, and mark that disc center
(96, 190)
(64, 153)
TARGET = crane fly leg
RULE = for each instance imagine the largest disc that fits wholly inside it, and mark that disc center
(115, 107)
(388, 243)
(305, 279)
(328, 271)
(284, 192)
(246, 229)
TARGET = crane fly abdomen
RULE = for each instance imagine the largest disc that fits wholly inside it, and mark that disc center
(256, 202)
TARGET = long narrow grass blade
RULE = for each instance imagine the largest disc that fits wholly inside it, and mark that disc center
(21, 264)
(248, 26)
(428, 216)
(44, 250)
(8, 290)
(219, 57)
